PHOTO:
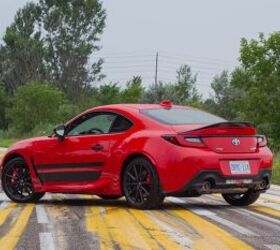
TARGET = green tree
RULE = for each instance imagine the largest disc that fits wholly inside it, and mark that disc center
(183, 91)
(72, 30)
(108, 94)
(258, 78)
(133, 91)
(3, 106)
(22, 52)
(67, 111)
(222, 102)
(53, 41)
(160, 92)
(185, 86)
(35, 103)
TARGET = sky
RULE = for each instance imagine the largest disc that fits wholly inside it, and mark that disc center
(204, 34)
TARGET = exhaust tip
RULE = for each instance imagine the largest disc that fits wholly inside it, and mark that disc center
(263, 185)
(207, 186)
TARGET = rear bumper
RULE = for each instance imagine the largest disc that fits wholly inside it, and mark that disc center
(181, 165)
(211, 181)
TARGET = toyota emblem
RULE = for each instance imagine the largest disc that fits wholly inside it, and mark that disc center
(235, 142)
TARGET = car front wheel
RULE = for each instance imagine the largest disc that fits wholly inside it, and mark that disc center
(245, 199)
(141, 185)
(16, 182)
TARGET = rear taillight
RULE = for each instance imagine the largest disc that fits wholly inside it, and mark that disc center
(184, 141)
(261, 140)
(194, 142)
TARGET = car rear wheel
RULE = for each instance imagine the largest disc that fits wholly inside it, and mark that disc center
(141, 185)
(17, 184)
(245, 199)
(110, 197)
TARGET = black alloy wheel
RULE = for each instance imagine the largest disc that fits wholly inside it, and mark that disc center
(16, 182)
(141, 185)
(245, 199)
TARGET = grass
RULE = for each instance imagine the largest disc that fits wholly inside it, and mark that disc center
(276, 170)
(5, 142)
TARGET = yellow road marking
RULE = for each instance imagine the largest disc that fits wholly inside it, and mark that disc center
(267, 210)
(150, 230)
(10, 240)
(211, 236)
(96, 224)
(5, 212)
(130, 228)
(126, 229)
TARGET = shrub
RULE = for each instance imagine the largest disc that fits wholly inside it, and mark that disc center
(35, 103)
(276, 170)
(3, 105)
(67, 111)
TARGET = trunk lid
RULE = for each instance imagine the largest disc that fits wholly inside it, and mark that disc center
(225, 137)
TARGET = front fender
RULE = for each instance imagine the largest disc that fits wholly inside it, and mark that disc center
(25, 152)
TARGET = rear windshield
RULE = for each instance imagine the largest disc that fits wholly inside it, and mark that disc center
(181, 116)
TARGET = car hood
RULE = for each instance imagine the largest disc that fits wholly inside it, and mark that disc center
(26, 142)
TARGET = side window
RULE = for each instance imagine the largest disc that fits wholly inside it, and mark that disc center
(120, 124)
(92, 124)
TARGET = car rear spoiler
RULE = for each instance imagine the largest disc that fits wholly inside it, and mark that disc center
(224, 128)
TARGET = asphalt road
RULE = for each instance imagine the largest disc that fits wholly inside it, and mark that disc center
(86, 222)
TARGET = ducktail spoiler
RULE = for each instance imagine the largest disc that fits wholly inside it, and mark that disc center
(224, 129)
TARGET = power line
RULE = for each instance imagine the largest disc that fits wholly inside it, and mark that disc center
(116, 66)
(199, 58)
(181, 57)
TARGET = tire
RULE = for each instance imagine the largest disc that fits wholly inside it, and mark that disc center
(141, 185)
(17, 184)
(241, 199)
(110, 197)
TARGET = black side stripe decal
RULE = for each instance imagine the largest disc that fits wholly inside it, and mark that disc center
(35, 170)
(70, 176)
(71, 165)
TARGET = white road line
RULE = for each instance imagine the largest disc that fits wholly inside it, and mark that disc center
(47, 196)
(271, 196)
(273, 192)
(268, 204)
(259, 202)
(3, 197)
(275, 187)
(176, 236)
(273, 247)
(255, 214)
(42, 216)
(46, 241)
(4, 205)
(102, 211)
(213, 216)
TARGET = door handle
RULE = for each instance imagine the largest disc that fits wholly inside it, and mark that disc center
(97, 147)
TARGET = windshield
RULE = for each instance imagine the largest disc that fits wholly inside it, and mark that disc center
(176, 116)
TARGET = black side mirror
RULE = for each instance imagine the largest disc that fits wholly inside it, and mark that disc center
(60, 132)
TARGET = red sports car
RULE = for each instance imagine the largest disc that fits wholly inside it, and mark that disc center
(144, 152)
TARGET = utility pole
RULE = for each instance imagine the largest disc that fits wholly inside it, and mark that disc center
(156, 73)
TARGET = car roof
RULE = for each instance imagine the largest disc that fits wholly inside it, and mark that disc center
(128, 108)
(138, 106)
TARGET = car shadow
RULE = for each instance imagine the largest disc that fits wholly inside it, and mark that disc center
(121, 203)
